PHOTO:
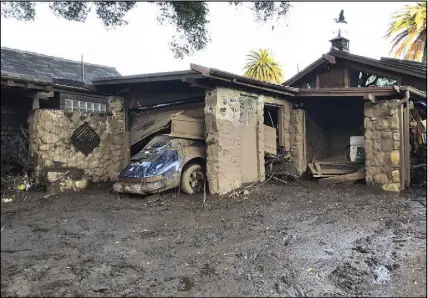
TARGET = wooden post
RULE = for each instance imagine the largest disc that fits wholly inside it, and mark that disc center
(36, 101)
(402, 140)
(407, 144)
(127, 136)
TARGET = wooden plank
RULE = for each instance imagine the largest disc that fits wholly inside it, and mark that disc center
(313, 170)
(346, 78)
(407, 143)
(281, 126)
(270, 139)
(318, 167)
(188, 127)
(360, 174)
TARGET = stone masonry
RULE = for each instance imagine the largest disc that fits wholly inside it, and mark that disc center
(297, 140)
(50, 132)
(382, 145)
(234, 125)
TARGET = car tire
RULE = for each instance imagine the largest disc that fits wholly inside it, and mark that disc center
(193, 179)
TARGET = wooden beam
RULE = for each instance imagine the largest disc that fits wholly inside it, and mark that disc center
(195, 83)
(46, 95)
(407, 143)
(36, 101)
(370, 97)
(402, 167)
(346, 79)
(317, 81)
(360, 174)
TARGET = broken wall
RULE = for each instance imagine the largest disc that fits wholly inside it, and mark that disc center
(382, 144)
(235, 137)
(50, 132)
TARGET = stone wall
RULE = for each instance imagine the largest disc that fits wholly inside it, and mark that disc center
(232, 120)
(382, 145)
(298, 140)
(50, 132)
(235, 137)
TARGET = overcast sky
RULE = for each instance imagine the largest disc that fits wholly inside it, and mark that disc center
(142, 45)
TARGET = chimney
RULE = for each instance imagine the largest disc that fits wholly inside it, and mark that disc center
(340, 43)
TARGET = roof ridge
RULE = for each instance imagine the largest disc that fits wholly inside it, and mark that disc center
(55, 57)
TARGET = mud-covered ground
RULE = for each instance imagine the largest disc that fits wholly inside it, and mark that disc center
(280, 240)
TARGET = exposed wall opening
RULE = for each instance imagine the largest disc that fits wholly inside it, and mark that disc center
(330, 124)
(273, 118)
(15, 108)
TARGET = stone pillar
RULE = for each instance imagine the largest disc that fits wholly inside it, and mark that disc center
(235, 148)
(297, 140)
(382, 145)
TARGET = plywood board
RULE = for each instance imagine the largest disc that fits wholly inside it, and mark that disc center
(188, 127)
(270, 139)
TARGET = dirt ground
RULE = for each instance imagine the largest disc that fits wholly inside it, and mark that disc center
(294, 239)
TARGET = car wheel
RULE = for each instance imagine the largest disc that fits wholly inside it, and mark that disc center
(193, 179)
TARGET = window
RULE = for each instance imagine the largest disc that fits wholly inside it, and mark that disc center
(72, 105)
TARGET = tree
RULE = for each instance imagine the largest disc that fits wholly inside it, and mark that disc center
(408, 30)
(262, 66)
(189, 18)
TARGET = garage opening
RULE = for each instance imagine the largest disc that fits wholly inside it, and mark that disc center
(334, 136)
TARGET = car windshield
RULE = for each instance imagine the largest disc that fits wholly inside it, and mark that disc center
(158, 142)
(150, 152)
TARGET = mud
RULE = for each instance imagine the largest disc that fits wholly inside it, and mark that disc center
(279, 240)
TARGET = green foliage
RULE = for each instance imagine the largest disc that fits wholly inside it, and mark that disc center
(408, 30)
(190, 18)
(262, 66)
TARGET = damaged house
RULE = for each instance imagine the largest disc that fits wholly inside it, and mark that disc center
(344, 118)
(49, 106)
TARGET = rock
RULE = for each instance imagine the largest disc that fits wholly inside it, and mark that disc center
(396, 176)
(81, 184)
(44, 147)
(396, 145)
(395, 157)
(394, 187)
(368, 125)
(113, 175)
(387, 145)
(48, 138)
(396, 136)
(55, 176)
(386, 135)
(381, 125)
(279, 288)
(368, 111)
(394, 122)
(377, 146)
(380, 178)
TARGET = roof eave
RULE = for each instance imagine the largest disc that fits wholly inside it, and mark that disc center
(145, 78)
(243, 81)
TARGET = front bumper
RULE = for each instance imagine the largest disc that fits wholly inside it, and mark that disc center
(143, 188)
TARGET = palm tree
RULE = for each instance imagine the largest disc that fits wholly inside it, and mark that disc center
(262, 66)
(408, 29)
